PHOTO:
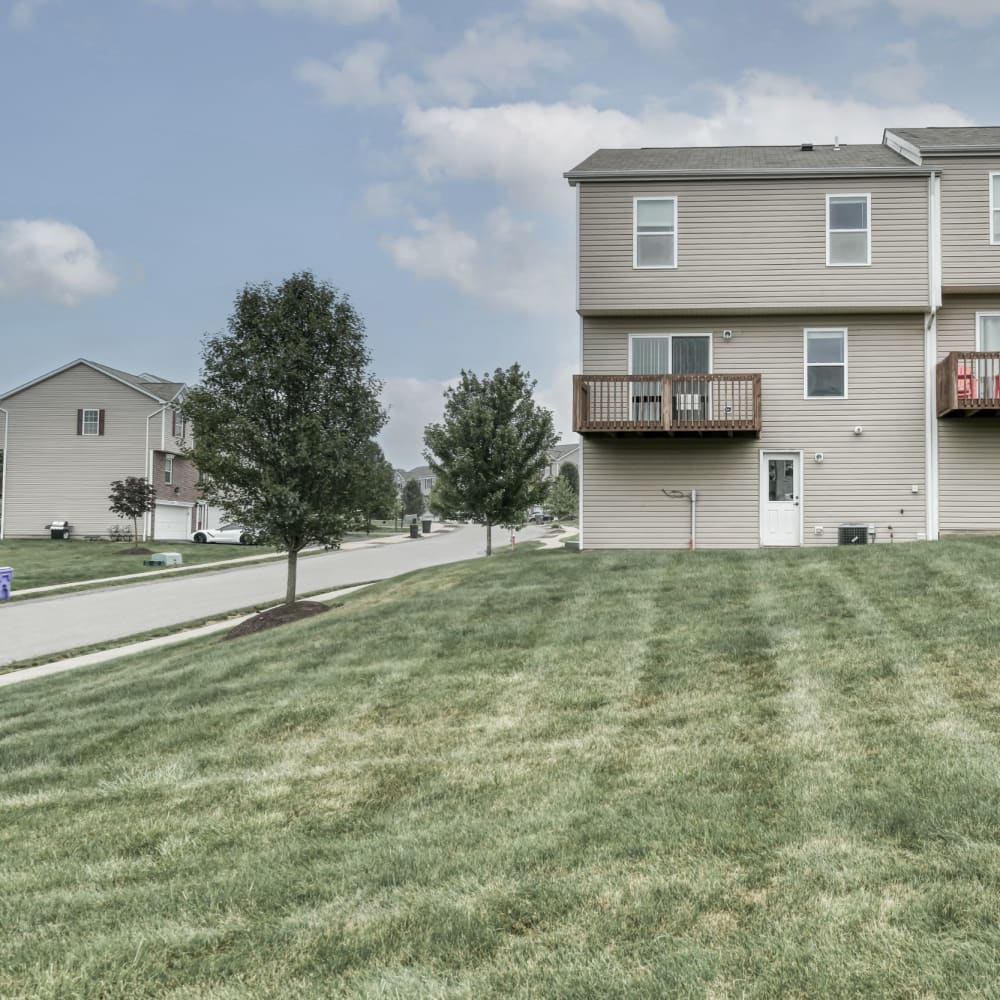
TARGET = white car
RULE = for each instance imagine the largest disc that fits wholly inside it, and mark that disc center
(228, 534)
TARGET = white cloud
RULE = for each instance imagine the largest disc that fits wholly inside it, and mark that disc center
(345, 11)
(901, 78)
(645, 19)
(491, 57)
(412, 404)
(358, 81)
(525, 147)
(507, 264)
(965, 12)
(54, 261)
(342, 11)
(22, 12)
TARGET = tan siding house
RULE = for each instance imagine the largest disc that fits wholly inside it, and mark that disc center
(767, 338)
(71, 432)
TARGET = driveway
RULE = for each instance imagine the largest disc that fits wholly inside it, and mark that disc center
(50, 625)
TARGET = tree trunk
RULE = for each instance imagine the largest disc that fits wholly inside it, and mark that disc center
(293, 557)
(489, 538)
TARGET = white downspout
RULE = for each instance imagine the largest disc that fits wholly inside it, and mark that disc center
(3, 480)
(694, 518)
(146, 526)
(932, 476)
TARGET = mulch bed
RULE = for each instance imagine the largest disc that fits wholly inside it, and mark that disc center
(274, 617)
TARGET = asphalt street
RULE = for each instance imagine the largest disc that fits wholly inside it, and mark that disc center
(49, 625)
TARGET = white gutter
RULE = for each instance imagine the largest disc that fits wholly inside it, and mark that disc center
(3, 480)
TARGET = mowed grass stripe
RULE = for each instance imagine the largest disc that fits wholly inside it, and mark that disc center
(546, 775)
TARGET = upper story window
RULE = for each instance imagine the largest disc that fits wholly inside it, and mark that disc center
(90, 422)
(654, 237)
(848, 230)
(994, 208)
(826, 364)
(168, 470)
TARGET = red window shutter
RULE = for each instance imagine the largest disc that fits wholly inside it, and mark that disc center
(79, 421)
(100, 422)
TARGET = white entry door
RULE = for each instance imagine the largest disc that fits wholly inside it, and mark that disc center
(780, 497)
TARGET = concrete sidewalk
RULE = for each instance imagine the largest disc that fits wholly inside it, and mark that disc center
(49, 625)
(104, 655)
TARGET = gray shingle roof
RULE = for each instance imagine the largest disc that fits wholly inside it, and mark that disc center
(951, 137)
(715, 160)
(560, 450)
(163, 390)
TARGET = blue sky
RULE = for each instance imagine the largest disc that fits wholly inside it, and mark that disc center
(157, 155)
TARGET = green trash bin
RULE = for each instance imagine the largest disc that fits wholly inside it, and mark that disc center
(426, 524)
(414, 529)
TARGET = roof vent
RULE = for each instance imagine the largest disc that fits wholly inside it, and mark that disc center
(807, 147)
(836, 142)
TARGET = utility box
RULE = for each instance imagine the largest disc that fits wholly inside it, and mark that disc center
(164, 559)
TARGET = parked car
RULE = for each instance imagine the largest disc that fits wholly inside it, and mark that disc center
(539, 515)
(228, 534)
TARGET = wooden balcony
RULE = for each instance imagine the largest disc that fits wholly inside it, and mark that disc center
(667, 405)
(968, 384)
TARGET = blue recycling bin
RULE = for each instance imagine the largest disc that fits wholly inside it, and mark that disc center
(6, 575)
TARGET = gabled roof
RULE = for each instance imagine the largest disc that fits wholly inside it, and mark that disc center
(742, 161)
(420, 472)
(161, 392)
(951, 139)
(560, 451)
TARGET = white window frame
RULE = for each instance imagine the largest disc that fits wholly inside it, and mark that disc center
(994, 210)
(168, 470)
(868, 211)
(980, 316)
(635, 233)
(806, 364)
(96, 424)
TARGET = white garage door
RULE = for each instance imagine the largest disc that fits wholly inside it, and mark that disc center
(171, 522)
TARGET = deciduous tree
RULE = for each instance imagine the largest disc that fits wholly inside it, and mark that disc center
(132, 498)
(491, 448)
(413, 498)
(285, 413)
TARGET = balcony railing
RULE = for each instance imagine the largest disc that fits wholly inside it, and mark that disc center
(969, 382)
(666, 404)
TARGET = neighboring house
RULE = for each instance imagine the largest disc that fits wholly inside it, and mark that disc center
(795, 335)
(69, 433)
(559, 456)
(423, 475)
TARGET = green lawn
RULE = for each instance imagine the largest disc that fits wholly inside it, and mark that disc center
(41, 562)
(764, 774)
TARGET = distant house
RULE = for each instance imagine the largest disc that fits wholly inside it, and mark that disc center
(560, 455)
(69, 433)
(424, 475)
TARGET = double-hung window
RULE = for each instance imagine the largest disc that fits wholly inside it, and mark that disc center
(848, 230)
(995, 208)
(826, 364)
(168, 470)
(91, 422)
(654, 235)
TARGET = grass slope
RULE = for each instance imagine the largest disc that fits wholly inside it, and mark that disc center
(546, 775)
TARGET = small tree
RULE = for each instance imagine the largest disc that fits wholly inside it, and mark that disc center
(562, 500)
(491, 449)
(285, 414)
(571, 474)
(413, 498)
(132, 497)
(378, 490)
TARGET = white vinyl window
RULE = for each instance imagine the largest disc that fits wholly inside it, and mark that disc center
(988, 331)
(848, 230)
(91, 422)
(826, 364)
(994, 208)
(654, 235)
(168, 470)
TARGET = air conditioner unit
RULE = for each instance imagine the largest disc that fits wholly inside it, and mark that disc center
(854, 534)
